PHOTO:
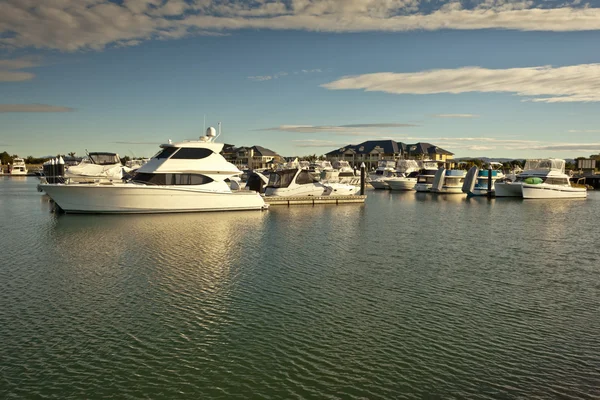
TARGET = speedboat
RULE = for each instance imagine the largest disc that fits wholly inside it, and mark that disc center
(448, 181)
(426, 176)
(96, 167)
(385, 170)
(406, 175)
(540, 179)
(18, 167)
(294, 182)
(187, 176)
(477, 180)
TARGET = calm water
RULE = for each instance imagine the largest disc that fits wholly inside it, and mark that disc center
(407, 296)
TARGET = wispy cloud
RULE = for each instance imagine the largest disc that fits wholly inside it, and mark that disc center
(33, 108)
(336, 129)
(262, 78)
(10, 69)
(584, 131)
(71, 25)
(455, 115)
(575, 83)
(317, 143)
(570, 147)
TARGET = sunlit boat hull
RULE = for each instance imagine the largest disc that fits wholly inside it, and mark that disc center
(402, 183)
(379, 184)
(141, 199)
(546, 191)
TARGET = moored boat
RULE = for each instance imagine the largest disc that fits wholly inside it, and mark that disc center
(187, 176)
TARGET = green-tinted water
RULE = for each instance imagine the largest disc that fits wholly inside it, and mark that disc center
(407, 296)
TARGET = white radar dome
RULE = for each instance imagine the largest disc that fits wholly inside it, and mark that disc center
(211, 132)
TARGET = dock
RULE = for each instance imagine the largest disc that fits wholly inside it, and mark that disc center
(312, 200)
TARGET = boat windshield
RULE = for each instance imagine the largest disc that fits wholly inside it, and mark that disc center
(282, 179)
(104, 158)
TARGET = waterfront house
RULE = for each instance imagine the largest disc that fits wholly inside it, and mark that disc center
(373, 151)
(255, 157)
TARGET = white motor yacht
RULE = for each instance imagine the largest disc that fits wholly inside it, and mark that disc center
(477, 180)
(406, 175)
(426, 176)
(96, 167)
(18, 167)
(541, 179)
(385, 169)
(187, 176)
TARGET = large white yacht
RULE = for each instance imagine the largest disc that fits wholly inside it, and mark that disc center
(183, 177)
(406, 175)
(426, 176)
(541, 179)
(385, 169)
(96, 167)
(18, 167)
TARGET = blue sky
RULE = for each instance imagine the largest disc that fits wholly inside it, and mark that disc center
(479, 78)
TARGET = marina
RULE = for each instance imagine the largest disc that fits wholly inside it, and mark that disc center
(220, 305)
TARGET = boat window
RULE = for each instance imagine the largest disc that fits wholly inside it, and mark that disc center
(104, 159)
(150, 179)
(304, 177)
(557, 181)
(172, 179)
(187, 153)
(188, 179)
(167, 152)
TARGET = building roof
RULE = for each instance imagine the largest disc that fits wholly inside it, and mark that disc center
(264, 152)
(383, 146)
(425, 148)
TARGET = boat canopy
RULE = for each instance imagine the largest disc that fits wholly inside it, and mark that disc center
(406, 165)
(548, 164)
(284, 178)
(386, 164)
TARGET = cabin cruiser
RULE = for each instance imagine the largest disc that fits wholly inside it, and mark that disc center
(342, 173)
(541, 179)
(187, 176)
(96, 167)
(477, 180)
(135, 164)
(406, 175)
(18, 167)
(385, 169)
(300, 182)
(426, 176)
(448, 181)
(293, 182)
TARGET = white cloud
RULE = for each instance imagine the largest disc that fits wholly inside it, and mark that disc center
(584, 131)
(9, 69)
(575, 83)
(262, 78)
(570, 147)
(455, 116)
(32, 108)
(71, 25)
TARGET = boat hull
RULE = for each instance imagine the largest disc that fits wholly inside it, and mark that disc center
(544, 191)
(402, 184)
(423, 187)
(379, 184)
(508, 189)
(310, 189)
(448, 190)
(145, 199)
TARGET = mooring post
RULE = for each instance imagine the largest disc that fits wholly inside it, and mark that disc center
(489, 191)
(362, 179)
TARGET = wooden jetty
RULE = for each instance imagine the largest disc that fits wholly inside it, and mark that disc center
(312, 200)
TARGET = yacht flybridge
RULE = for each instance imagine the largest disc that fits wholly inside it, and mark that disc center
(187, 176)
